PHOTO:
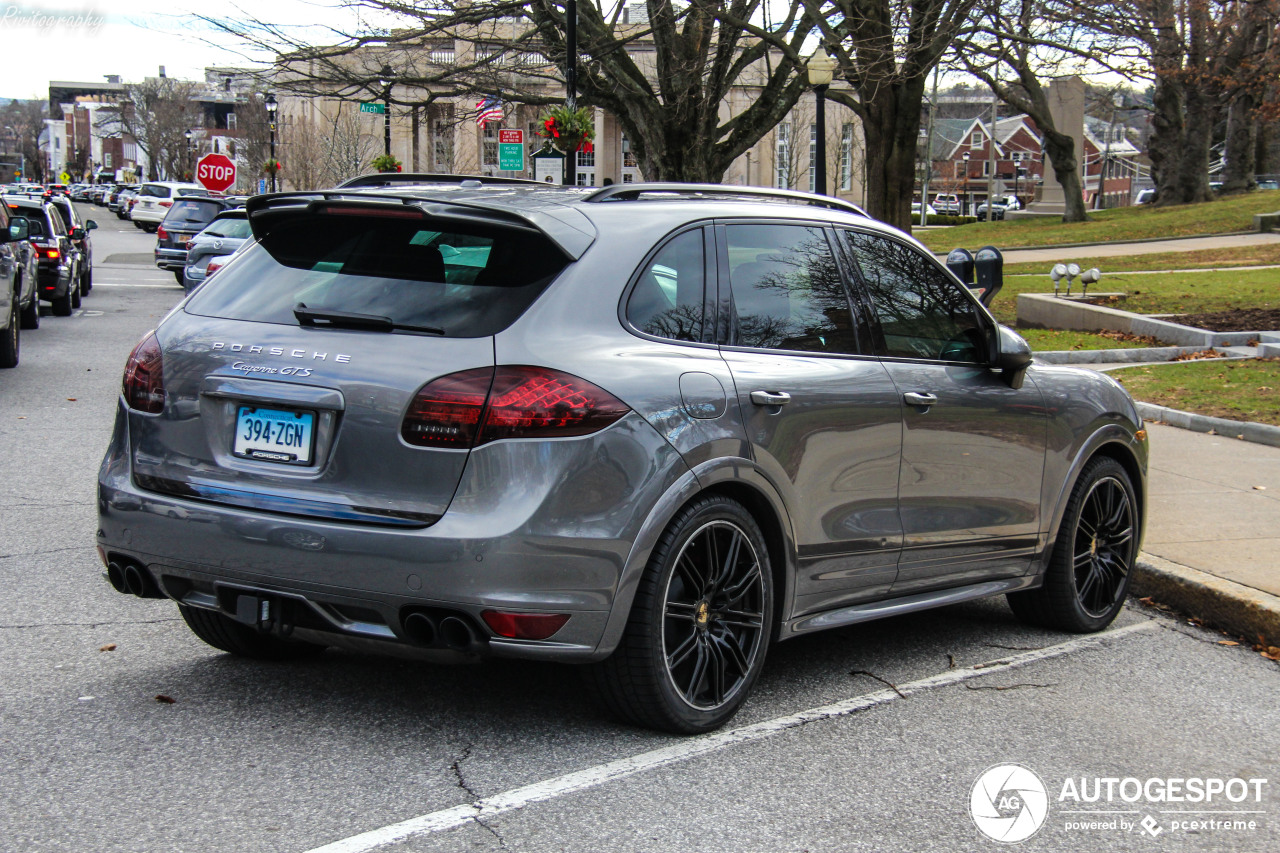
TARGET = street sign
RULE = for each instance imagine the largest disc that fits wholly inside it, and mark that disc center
(373, 108)
(511, 150)
(216, 172)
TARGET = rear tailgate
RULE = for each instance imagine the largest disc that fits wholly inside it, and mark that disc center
(287, 378)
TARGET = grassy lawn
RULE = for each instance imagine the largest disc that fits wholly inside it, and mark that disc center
(1110, 226)
(1240, 256)
(1052, 340)
(1239, 390)
(1170, 293)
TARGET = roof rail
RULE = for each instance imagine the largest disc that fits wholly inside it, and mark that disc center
(387, 179)
(633, 192)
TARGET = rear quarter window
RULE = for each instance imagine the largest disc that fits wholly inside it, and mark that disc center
(468, 281)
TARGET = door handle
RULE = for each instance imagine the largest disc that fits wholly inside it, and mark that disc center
(770, 398)
(915, 398)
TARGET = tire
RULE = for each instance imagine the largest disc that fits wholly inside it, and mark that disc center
(86, 281)
(178, 274)
(62, 306)
(75, 293)
(682, 666)
(1091, 565)
(31, 314)
(224, 633)
(150, 228)
(9, 338)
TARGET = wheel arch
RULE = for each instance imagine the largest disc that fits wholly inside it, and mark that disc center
(1115, 442)
(738, 479)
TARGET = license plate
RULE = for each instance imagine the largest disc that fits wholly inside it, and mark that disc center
(273, 435)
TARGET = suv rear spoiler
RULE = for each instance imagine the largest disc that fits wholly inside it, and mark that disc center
(567, 228)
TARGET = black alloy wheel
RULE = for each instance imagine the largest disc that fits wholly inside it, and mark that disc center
(1093, 557)
(699, 628)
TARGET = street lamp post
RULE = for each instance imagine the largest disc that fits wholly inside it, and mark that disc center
(571, 81)
(188, 135)
(270, 103)
(820, 69)
(967, 193)
(386, 79)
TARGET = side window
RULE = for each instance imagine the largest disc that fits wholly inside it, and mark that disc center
(55, 222)
(667, 301)
(922, 313)
(787, 290)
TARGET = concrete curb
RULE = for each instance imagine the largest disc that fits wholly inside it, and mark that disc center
(1224, 604)
(1106, 242)
(1244, 430)
(1134, 355)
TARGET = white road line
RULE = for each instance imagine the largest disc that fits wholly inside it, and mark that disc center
(592, 777)
(170, 286)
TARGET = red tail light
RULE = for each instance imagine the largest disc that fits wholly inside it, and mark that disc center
(166, 204)
(474, 407)
(212, 268)
(144, 377)
(47, 253)
(161, 233)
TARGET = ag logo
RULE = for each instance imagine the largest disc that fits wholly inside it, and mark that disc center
(1008, 803)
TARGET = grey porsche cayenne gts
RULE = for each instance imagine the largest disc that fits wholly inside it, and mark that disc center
(653, 429)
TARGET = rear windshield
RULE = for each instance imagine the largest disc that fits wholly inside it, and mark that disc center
(468, 281)
(154, 191)
(230, 227)
(190, 212)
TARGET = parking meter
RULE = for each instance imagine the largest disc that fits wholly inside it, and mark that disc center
(960, 262)
(989, 266)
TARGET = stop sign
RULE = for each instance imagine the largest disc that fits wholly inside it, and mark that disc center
(216, 172)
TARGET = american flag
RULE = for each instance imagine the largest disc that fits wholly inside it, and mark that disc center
(490, 109)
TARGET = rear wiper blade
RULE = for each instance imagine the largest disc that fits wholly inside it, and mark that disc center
(351, 320)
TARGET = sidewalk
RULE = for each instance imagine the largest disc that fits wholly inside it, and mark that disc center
(1104, 250)
(1213, 529)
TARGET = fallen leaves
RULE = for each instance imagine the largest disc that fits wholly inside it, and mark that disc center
(1196, 356)
(109, 647)
(1270, 653)
(1228, 643)
(165, 700)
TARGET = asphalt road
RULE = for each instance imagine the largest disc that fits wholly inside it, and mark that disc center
(340, 752)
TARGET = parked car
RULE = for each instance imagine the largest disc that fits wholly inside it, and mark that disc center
(214, 245)
(915, 209)
(1268, 184)
(78, 231)
(124, 202)
(997, 209)
(154, 200)
(57, 268)
(186, 218)
(947, 203)
(1146, 196)
(16, 295)
(513, 420)
(113, 196)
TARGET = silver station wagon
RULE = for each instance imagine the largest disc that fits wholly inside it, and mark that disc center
(652, 429)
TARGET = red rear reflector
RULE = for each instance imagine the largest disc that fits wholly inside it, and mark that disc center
(166, 204)
(161, 233)
(524, 626)
(144, 377)
(466, 409)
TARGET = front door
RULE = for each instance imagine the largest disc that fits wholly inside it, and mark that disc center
(972, 447)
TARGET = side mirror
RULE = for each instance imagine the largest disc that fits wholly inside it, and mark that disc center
(78, 233)
(90, 225)
(1014, 356)
(990, 268)
(19, 229)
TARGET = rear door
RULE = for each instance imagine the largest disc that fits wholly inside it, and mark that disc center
(972, 447)
(823, 419)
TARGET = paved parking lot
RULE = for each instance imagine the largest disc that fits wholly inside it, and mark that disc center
(867, 738)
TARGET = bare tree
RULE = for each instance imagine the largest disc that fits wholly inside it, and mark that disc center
(663, 69)
(157, 113)
(26, 118)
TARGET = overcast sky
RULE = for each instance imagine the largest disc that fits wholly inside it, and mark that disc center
(83, 41)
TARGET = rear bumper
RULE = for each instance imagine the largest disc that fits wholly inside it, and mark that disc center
(539, 545)
(53, 283)
(171, 259)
